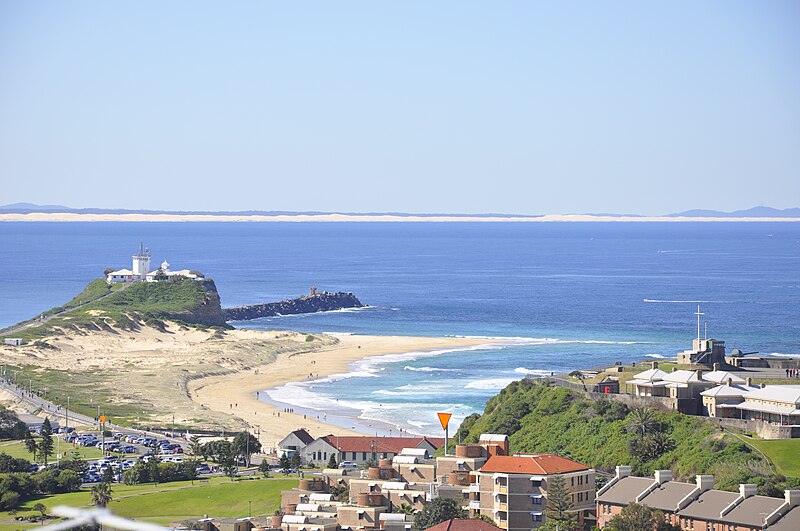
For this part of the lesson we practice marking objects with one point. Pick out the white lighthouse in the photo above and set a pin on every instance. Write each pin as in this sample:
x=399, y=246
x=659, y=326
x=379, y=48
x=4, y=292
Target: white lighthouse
x=141, y=263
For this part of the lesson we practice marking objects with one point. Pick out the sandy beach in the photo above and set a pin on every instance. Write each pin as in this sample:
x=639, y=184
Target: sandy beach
x=239, y=389
x=334, y=218
x=199, y=378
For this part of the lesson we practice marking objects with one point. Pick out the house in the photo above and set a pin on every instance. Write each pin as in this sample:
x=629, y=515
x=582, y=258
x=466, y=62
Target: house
x=696, y=506
x=513, y=490
x=721, y=400
x=294, y=442
x=682, y=388
x=140, y=270
x=363, y=449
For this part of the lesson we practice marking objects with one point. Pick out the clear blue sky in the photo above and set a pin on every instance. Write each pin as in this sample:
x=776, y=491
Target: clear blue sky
x=516, y=107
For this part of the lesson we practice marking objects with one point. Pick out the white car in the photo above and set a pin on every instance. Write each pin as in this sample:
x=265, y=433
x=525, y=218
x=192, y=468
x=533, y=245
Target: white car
x=348, y=465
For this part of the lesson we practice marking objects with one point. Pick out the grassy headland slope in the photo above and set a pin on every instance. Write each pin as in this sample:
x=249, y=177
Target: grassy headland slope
x=540, y=418
x=105, y=307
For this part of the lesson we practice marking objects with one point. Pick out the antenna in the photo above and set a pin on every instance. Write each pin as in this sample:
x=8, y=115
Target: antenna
x=698, y=313
x=705, y=323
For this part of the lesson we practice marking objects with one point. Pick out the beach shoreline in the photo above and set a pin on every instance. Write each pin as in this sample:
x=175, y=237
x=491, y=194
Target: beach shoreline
x=241, y=393
x=386, y=218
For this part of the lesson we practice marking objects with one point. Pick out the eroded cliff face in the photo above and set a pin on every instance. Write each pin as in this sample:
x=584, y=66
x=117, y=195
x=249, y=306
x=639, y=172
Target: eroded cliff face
x=209, y=312
x=319, y=302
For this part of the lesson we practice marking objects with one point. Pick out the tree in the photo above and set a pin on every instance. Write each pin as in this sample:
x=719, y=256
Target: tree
x=46, y=444
x=635, y=517
x=30, y=444
x=263, y=467
x=244, y=445
x=101, y=494
x=332, y=461
x=641, y=421
x=437, y=511
x=284, y=463
x=41, y=509
x=295, y=460
x=579, y=375
x=405, y=508
x=10, y=425
x=559, y=504
x=195, y=445
x=160, y=276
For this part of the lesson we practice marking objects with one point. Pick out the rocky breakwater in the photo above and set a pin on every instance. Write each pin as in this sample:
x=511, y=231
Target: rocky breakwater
x=316, y=302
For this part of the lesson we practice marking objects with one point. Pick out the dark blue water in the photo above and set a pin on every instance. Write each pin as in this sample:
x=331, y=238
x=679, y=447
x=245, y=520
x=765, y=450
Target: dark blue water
x=579, y=293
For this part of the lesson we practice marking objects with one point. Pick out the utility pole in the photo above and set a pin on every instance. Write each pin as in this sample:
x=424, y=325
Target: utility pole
x=66, y=415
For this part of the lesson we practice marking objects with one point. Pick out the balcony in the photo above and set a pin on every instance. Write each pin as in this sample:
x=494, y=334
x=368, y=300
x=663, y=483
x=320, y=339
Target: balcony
x=502, y=489
x=502, y=506
x=474, y=504
x=502, y=524
x=474, y=487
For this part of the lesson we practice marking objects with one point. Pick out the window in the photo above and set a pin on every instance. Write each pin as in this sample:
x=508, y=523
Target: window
x=364, y=456
x=362, y=515
x=536, y=482
x=580, y=497
x=536, y=517
x=536, y=500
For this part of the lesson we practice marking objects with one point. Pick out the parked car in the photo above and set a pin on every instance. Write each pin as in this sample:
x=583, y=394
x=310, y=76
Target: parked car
x=203, y=469
x=348, y=465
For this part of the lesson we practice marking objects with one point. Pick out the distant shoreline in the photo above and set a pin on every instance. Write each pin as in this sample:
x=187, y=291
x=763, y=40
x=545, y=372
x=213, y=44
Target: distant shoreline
x=62, y=217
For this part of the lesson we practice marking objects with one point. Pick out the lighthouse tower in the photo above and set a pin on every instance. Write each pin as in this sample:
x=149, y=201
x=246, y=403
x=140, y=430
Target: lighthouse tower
x=141, y=263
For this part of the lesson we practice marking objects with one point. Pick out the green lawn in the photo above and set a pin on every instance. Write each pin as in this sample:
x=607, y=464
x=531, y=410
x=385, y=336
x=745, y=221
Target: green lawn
x=168, y=502
x=17, y=449
x=784, y=454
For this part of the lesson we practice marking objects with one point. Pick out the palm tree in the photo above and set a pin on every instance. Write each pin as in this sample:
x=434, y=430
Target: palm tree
x=404, y=509
x=642, y=420
x=101, y=494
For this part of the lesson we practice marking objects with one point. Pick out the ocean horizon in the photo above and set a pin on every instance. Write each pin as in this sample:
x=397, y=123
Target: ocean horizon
x=569, y=295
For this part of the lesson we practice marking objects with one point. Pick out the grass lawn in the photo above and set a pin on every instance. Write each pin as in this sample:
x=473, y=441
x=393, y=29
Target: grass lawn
x=168, y=502
x=17, y=449
x=784, y=454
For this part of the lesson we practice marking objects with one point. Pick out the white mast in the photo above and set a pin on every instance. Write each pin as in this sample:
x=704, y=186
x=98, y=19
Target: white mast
x=698, y=313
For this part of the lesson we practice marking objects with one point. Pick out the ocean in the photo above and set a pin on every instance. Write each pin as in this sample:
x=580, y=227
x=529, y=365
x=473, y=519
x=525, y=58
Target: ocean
x=572, y=295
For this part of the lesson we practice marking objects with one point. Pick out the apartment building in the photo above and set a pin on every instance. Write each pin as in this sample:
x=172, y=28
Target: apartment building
x=512, y=490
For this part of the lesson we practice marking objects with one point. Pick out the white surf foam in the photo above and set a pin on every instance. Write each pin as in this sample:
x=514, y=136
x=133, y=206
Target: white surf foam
x=490, y=384
x=532, y=372
x=656, y=356
x=427, y=369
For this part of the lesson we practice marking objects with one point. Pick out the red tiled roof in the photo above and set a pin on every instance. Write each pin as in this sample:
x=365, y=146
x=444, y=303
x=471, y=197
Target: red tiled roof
x=543, y=464
x=464, y=524
x=356, y=443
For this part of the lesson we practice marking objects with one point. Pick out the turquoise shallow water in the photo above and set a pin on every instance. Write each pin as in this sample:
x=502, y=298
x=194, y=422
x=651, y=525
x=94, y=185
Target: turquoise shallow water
x=574, y=294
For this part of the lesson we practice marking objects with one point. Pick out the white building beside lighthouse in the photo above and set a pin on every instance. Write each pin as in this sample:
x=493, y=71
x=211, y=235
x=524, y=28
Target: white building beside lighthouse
x=140, y=270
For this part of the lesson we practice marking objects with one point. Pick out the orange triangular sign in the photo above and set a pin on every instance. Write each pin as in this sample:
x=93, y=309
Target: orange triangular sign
x=444, y=418
x=102, y=419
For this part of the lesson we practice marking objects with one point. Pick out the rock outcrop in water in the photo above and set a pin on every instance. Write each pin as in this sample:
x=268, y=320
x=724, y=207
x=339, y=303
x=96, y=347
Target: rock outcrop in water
x=315, y=302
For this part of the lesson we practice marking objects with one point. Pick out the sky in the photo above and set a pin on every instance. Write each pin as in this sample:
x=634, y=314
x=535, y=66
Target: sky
x=420, y=107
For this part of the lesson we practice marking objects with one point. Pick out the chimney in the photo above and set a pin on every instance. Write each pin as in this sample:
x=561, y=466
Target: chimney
x=699, y=374
x=716, y=366
x=662, y=476
x=705, y=483
x=624, y=471
x=655, y=365
x=747, y=489
x=792, y=497
x=749, y=381
x=730, y=382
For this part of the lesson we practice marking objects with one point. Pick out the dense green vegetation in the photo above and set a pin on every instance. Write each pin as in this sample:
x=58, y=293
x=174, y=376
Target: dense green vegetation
x=122, y=306
x=540, y=418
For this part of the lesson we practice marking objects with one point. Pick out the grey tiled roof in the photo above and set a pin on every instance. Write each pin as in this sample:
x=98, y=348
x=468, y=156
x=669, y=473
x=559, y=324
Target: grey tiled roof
x=788, y=522
x=709, y=504
x=753, y=510
x=667, y=496
x=625, y=490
